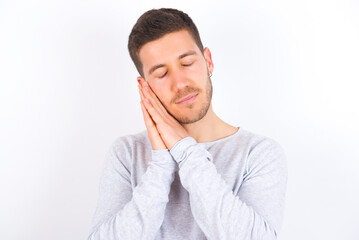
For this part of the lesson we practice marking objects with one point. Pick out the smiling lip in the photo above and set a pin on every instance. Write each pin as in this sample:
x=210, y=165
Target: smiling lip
x=188, y=99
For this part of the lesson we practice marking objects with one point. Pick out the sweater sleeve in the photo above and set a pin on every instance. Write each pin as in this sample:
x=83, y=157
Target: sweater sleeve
x=126, y=213
x=256, y=212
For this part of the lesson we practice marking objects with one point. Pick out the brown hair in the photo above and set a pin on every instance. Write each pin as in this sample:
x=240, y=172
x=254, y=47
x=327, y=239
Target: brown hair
x=154, y=24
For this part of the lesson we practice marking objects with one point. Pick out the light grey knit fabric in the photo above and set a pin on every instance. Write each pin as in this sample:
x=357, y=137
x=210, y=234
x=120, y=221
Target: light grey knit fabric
x=232, y=188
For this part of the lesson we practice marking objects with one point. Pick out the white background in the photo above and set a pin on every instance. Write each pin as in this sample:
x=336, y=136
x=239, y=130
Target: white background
x=284, y=69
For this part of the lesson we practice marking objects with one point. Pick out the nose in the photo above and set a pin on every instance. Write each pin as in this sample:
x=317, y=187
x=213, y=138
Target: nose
x=179, y=80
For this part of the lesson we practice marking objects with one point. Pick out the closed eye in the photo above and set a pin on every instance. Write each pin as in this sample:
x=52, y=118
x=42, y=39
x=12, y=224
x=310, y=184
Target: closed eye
x=187, y=65
x=163, y=75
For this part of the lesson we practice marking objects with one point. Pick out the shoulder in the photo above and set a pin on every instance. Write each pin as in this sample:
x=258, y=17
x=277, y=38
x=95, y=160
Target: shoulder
x=124, y=148
x=258, y=143
x=262, y=150
x=129, y=142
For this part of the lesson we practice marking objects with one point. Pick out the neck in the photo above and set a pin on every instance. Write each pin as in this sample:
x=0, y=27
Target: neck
x=209, y=128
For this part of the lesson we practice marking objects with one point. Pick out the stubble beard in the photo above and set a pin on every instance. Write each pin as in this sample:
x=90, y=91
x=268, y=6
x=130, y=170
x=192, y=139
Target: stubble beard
x=196, y=116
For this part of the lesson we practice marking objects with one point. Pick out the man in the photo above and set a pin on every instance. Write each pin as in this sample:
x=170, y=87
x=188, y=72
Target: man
x=190, y=175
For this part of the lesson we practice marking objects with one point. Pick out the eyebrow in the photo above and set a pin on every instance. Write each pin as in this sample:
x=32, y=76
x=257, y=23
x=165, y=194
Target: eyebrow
x=154, y=68
x=191, y=52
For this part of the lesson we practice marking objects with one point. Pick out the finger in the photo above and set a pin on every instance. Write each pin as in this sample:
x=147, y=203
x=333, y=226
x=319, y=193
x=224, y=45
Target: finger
x=142, y=89
x=148, y=93
x=147, y=118
x=154, y=111
x=141, y=94
x=143, y=98
x=153, y=134
x=156, y=117
x=152, y=128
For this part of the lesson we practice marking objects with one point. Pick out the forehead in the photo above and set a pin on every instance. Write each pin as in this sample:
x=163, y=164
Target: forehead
x=167, y=48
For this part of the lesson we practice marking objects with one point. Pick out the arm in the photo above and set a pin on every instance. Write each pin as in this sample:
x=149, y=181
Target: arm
x=256, y=212
x=125, y=214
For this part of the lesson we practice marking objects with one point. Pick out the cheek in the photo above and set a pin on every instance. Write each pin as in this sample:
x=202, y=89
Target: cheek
x=202, y=77
x=200, y=73
x=160, y=92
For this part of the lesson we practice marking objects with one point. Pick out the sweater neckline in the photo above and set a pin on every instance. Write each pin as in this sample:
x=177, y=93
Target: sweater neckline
x=222, y=139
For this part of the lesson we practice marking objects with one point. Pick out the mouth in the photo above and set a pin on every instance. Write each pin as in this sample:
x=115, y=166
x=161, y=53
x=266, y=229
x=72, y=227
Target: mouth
x=189, y=98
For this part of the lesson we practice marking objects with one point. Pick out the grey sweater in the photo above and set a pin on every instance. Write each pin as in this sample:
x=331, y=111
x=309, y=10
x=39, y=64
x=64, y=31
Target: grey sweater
x=232, y=188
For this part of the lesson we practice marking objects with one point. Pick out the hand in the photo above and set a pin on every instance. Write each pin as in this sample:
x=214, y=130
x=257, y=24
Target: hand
x=168, y=128
x=153, y=135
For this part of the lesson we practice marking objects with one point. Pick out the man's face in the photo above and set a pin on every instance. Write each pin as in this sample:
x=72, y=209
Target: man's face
x=178, y=74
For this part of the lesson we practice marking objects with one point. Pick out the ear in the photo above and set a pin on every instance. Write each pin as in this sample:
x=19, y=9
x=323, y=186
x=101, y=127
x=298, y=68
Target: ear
x=140, y=80
x=208, y=58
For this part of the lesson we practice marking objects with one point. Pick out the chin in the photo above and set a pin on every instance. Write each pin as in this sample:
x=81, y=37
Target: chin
x=193, y=115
